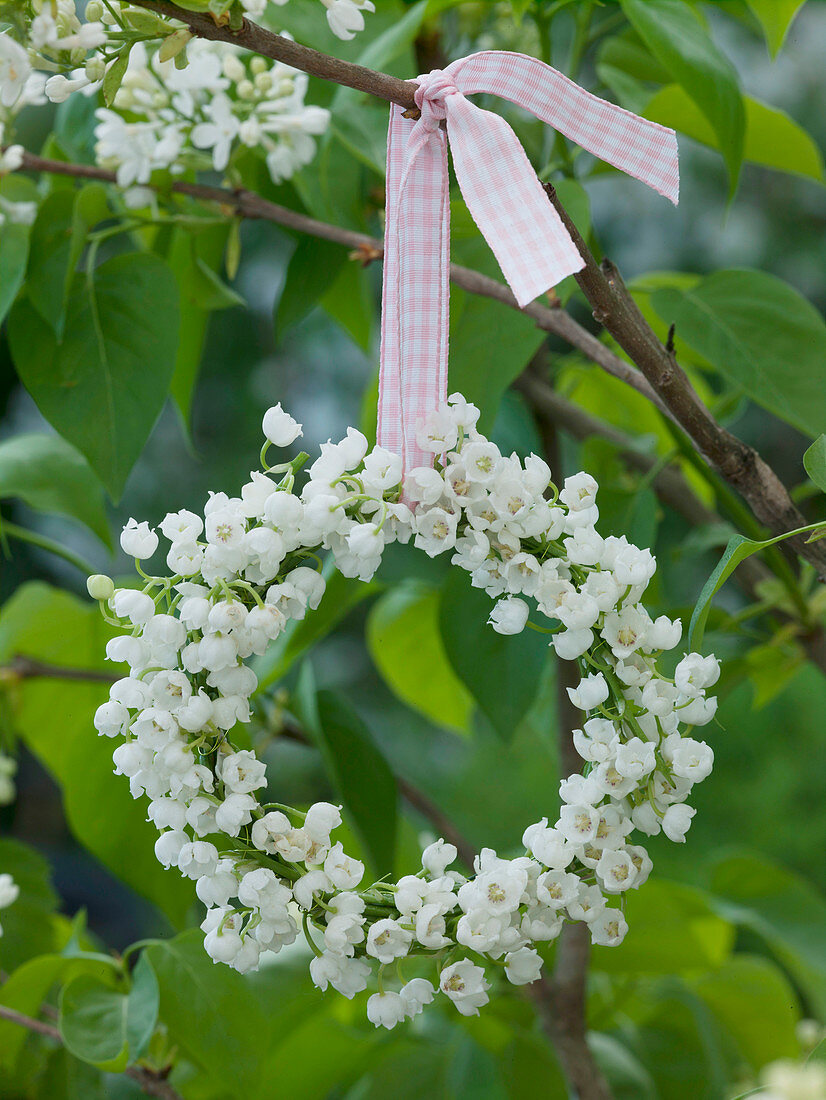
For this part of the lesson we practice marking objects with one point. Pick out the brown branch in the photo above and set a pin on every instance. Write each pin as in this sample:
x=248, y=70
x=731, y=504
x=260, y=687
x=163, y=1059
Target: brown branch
x=668, y=483
x=150, y=1081
x=265, y=42
x=250, y=205
x=738, y=463
x=28, y=668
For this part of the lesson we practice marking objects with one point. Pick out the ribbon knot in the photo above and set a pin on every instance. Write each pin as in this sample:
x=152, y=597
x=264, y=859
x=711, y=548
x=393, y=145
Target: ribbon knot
x=430, y=95
x=505, y=199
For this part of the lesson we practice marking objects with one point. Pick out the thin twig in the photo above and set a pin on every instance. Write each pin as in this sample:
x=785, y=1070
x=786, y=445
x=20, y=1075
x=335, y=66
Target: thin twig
x=265, y=42
x=250, y=205
x=668, y=483
x=738, y=463
x=150, y=1081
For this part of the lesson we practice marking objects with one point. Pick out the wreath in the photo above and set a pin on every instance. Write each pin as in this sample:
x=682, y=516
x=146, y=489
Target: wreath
x=267, y=871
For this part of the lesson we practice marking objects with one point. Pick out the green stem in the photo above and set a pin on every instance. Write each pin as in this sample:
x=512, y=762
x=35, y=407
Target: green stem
x=44, y=543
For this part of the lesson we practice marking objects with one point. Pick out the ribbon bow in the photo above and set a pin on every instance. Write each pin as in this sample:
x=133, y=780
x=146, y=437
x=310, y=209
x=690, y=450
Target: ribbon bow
x=505, y=199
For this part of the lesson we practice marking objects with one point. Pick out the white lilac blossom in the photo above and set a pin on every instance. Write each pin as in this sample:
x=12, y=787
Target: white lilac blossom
x=182, y=104
x=9, y=893
x=266, y=871
x=165, y=117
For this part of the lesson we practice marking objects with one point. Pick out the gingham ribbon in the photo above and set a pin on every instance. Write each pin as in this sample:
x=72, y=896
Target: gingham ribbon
x=505, y=199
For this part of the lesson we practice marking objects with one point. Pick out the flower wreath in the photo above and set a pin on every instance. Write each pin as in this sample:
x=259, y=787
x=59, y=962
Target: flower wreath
x=241, y=573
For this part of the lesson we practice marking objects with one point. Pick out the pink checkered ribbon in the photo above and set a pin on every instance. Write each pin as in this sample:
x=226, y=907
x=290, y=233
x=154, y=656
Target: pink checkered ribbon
x=505, y=199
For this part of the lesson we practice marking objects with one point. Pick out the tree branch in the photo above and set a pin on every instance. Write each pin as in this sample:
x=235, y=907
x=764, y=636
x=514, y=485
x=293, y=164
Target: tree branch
x=251, y=205
x=150, y=1081
x=738, y=463
x=265, y=42
x=668, y=483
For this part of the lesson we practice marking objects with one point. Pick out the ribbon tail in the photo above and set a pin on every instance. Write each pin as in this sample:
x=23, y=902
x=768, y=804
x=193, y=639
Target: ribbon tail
x=415, y=295
x=640, y=148
x=506, y=200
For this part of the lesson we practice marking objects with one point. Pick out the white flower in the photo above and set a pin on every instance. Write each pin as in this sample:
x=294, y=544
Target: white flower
x=509, y=615
x=437, y=856
x=677, y=821
x=625, y=631
x=616, y=871
x=417, y=993
x=242, y=772
x=387, y=940
x=182, y=526
x=219, y=132
x=234, y=812
x=523, y=966
x=138, y=540
x=692, y=760
x=321, y=819
x=435, y=530
x=578, y=823
x=579, y=492
x=591, y=691
x=465, y=984
x=279, y=427
x=347, y=976
x=345, y=18
x=198, y=858
x=694, y=673
x=9, y=890
x=636, y=758
x=609, y=928
x=344, y=872
x=386, y=1009
x=557, y=889
x=570, y=644
x=14, y=70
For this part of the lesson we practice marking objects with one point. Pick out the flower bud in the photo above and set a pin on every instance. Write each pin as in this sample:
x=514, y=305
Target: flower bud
x=100, y=587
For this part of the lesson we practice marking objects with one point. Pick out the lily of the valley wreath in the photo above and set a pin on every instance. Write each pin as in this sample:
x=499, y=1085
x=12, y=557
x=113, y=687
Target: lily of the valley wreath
x=268, y=872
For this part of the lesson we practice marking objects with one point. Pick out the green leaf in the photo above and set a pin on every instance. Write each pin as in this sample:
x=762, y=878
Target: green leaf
x=776, y=17
x=341, y=595
x=737, y=549
x=783, y=909
x=406, y=645
x=349, y=301
x=195, y=259
x=678, y=40
x=313, y=269
x=754, y=1002
x=480, y=330
x=772, y=139
x=760, y=334
x=28, y=988
x=105, y=1027
x=49, y=248
x=14, y=255
x=50, y=476
x=361, y=776
x=104, y=385
x=54, y=719
x=672, y=929
x=502, y=674
x=814, y=462
x=114, y=75
x=210, y=1010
